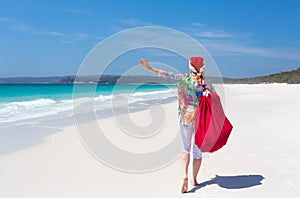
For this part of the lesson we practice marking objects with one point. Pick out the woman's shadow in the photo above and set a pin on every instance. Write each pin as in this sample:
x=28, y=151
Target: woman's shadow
x=232, y=182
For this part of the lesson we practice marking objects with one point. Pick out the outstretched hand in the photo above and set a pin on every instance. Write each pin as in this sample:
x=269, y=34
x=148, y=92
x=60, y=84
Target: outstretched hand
x=144, y=63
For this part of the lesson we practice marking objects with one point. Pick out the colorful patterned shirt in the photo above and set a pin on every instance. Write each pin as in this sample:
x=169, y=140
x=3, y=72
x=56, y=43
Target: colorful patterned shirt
x=190, y=87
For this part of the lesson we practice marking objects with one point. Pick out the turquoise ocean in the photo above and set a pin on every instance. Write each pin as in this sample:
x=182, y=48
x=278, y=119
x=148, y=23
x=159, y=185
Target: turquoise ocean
x=25, y=103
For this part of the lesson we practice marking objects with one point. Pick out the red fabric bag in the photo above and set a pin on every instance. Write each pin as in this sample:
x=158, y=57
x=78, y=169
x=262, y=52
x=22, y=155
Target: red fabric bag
x=212, y=128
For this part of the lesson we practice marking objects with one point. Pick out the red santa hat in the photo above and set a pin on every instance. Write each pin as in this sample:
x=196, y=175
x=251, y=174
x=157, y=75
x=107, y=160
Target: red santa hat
x=196, y=64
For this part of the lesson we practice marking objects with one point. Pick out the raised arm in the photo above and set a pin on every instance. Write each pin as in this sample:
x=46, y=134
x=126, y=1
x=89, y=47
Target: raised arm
x=173, y=78
x=145, y=64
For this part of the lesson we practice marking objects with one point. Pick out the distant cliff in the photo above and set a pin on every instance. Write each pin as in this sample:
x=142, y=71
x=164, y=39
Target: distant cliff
x=53, y=79
x=112, y=79
x=291, y=77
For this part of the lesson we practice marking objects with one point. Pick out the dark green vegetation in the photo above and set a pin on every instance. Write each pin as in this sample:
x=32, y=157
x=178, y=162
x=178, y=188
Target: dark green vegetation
x=290, y=77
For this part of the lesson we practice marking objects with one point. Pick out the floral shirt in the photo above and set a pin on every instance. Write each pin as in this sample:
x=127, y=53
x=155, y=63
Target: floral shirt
x=190, y=87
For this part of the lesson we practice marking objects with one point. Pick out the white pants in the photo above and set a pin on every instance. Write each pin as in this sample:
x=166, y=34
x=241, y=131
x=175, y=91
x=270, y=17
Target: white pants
x=188, y=138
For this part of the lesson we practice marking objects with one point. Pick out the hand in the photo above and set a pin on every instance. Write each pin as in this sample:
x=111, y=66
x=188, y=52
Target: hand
x=144, y=63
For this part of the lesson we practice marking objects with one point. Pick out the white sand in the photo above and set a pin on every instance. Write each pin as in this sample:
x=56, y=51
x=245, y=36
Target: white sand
x=40, y=161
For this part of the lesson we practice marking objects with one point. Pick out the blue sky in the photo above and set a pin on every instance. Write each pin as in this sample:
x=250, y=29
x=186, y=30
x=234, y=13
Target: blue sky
x=245, y=38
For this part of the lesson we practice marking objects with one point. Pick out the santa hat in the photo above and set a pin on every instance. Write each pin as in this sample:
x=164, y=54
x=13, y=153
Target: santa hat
x=196, y=64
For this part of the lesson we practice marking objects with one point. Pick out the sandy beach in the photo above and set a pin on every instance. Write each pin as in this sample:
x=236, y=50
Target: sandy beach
x=259, y=160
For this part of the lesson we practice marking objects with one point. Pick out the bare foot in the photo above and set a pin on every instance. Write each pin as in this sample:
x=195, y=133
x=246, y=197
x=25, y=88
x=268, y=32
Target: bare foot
x=194, y=182
x=184, y=187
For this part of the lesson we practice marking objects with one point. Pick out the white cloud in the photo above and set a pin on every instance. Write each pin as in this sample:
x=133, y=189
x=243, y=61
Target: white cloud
x=6, y=20
x=224, y=43
x=119, y=25
x=200, y=30
x=20, y=27
x=239, y=49
x=14, y=24
x=155, y=37
x=80, y=36
x=55, y=33
x=209, y=34
x=122, y=24
x=75, y=11
x=249, y=34
x=66, y=41
x=133, y=22
x=196, y=24
x=67, y=38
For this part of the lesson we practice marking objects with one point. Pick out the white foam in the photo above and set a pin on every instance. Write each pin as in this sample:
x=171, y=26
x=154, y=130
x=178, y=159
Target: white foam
x=32, y=103
x=153, y=95
x=16, y=111
x=103, y=98
x=168, y=91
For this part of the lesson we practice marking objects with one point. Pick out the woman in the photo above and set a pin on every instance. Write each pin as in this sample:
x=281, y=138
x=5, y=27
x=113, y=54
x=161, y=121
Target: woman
x=190, y=89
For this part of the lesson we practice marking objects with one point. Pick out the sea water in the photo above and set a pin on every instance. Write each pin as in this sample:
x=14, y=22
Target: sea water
x=22, y=103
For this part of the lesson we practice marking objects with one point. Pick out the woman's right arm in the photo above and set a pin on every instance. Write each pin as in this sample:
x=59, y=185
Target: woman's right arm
x=174, y=78
x=145, y=64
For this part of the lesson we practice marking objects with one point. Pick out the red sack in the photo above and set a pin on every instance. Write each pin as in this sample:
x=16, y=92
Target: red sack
x=212, y=128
